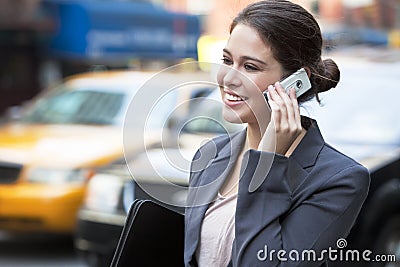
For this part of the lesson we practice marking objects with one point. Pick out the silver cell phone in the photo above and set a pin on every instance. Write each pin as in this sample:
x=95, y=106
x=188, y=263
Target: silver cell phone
x=298, y=80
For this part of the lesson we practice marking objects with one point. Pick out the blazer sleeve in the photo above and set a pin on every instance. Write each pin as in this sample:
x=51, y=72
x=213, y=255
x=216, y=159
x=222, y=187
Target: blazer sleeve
x=284, y=218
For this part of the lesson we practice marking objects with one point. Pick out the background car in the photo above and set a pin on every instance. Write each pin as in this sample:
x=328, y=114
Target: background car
x=62, y=137
x=359, y=118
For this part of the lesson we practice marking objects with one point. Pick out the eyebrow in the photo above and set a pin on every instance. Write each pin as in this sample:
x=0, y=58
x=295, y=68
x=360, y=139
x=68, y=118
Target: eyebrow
x=246, y=57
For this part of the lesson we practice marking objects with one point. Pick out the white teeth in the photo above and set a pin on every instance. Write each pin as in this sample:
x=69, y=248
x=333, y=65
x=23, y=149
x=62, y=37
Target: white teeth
x=232, y=97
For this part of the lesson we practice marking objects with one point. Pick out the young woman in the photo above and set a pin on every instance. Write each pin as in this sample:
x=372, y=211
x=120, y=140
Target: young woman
x=263, y=196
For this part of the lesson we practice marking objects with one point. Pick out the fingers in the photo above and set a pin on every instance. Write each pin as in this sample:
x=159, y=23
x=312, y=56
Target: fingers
x=295, y=107
x=288, y=105
x=284, y=108
x=274, y=103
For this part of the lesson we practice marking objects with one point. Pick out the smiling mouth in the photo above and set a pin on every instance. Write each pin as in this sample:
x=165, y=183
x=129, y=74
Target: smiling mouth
x=234, y=97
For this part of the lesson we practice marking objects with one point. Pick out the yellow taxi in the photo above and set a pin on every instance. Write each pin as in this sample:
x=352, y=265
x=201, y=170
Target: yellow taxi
x=62, y=138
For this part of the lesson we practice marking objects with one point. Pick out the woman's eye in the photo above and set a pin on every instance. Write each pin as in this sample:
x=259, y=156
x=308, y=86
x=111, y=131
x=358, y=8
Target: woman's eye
x=250, y=67
x=226, y=61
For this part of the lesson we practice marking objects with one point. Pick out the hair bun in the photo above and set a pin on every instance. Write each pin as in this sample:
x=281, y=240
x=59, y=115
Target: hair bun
x=331, y=76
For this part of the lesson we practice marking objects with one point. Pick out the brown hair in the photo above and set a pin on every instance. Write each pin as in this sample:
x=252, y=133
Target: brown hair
x=295, y=39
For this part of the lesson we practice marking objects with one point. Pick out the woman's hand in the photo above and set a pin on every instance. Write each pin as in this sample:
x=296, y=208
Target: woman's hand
x=285, y=124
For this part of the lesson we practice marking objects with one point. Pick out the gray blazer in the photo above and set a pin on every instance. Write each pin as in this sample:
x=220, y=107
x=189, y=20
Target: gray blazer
x=297, y=204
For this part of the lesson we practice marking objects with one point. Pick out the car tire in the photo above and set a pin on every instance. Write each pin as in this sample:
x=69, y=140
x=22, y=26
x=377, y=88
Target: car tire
x=388, y=243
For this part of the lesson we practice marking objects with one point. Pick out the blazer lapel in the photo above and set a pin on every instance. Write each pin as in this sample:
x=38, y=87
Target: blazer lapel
x=213, y=176
x=307, y=151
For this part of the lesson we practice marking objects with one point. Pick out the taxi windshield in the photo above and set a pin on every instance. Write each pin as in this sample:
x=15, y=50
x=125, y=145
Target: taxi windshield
x=83, y=106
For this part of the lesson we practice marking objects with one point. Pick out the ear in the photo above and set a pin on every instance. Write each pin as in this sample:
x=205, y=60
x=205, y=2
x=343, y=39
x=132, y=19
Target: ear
x=308, y=71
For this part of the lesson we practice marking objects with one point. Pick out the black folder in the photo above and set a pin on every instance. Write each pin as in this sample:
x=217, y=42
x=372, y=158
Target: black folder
x=153, y=235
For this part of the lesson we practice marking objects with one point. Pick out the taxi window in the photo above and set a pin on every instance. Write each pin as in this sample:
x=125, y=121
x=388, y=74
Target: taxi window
x=76, y=107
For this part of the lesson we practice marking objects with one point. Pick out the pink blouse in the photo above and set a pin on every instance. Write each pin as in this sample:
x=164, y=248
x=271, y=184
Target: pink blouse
x=217, y=233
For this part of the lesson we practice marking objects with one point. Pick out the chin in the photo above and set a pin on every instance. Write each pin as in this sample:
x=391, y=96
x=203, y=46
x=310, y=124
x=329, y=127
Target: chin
x=231, y=116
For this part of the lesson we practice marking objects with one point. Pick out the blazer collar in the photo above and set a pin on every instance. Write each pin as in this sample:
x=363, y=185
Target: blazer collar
x=233, y=146
x=218, y=169
x=306, y=152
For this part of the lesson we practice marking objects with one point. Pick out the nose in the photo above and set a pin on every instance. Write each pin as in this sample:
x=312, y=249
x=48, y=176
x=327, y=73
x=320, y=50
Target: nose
x=231, y=77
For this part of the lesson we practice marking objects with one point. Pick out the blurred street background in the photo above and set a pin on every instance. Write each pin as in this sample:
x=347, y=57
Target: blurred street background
x=44, y=41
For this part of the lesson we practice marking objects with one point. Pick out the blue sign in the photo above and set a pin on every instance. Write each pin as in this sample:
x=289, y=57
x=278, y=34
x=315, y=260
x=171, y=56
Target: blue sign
x=91, y=29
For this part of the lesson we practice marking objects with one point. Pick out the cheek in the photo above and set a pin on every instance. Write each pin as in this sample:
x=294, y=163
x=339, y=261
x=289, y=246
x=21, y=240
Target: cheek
x=260, y=84
x=253, y=86
x=257, y=106
x=263, y=83
x=220, y=75
x=220, y=85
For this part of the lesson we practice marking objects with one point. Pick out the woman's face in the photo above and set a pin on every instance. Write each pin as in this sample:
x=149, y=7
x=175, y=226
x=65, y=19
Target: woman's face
x=248, y=68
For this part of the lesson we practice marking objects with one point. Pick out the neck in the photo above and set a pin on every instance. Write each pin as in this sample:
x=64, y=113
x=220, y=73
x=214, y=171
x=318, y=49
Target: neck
x=254, y=135
x=296, y=142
